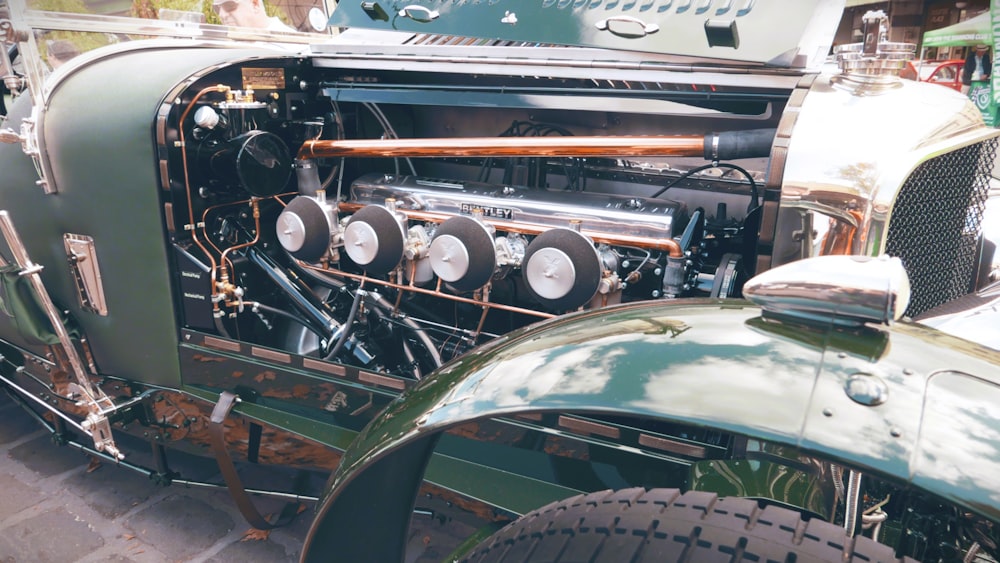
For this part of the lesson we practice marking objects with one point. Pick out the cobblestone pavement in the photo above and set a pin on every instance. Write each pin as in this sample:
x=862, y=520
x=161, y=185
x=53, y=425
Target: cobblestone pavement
x=56, y=508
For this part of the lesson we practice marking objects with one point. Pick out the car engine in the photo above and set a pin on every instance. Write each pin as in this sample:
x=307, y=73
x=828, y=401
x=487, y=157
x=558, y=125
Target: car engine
x=316, y=227
x=309, y=229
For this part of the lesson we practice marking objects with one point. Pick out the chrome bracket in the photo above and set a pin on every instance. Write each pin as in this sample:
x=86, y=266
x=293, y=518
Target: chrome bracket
x=28, y=143
x=96, y=422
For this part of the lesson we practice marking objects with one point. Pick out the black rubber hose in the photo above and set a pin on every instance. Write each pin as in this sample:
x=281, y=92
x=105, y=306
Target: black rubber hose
x=732, y=145
x=257, y=306
x=754, y=195
x=317, y=314
x=376, y=300
x=345, y=333
x=220, y=327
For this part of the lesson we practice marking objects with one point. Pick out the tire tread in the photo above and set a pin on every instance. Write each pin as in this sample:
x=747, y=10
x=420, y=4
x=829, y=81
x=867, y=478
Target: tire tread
x=637, y=525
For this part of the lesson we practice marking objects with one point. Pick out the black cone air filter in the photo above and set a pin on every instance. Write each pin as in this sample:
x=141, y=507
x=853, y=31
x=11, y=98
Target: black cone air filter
x=303, y=229
x=462, y=253
x=562, y=269
x=373, y=238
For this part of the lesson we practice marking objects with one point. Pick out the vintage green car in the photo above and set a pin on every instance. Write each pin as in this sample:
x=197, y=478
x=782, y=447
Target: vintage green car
x=486, y=261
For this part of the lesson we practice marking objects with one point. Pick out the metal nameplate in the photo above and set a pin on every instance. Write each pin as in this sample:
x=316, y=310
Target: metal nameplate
x=263, y=78
x=488, y=211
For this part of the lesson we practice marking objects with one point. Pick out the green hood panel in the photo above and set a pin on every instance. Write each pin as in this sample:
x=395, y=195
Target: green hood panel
x=97, y=132
x=772, y=32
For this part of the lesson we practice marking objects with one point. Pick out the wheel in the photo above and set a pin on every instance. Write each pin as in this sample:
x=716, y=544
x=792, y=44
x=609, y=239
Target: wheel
x=663, y=525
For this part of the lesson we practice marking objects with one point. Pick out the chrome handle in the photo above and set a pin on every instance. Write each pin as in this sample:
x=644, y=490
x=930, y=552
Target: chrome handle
x=419, y=13
x=627, y=26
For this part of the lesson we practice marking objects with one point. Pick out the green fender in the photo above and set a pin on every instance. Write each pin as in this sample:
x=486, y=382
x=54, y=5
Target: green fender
x=906, y=402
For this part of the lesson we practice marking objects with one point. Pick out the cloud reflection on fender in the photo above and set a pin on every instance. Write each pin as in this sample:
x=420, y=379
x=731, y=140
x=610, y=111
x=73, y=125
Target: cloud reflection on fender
x=657, y=362
x=959, y=442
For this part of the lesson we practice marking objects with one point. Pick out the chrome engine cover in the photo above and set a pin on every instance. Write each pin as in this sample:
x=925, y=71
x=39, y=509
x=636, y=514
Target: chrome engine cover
x=608, y=214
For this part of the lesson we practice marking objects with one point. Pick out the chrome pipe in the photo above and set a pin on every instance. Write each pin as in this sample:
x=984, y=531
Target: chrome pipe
x=851, y=502
x=29, y=395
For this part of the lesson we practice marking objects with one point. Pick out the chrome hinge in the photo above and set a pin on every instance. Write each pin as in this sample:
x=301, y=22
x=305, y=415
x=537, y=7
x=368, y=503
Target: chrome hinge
x=82, y=257
x=29, y=145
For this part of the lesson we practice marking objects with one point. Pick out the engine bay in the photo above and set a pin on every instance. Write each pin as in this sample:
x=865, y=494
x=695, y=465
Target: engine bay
x=395, y=219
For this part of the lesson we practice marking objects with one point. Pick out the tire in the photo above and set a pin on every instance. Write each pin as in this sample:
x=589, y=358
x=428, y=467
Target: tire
x=663, y=525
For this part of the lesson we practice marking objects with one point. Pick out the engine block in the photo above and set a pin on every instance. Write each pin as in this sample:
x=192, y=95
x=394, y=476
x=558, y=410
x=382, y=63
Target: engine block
x=465, y=234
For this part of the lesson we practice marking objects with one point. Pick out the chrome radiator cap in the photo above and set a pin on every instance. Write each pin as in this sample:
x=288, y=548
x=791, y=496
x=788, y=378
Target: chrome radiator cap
x=875, y=58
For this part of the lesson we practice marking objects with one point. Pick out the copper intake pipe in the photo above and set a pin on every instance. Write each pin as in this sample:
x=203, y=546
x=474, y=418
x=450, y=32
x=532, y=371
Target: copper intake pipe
x=506, y=147
x=713, y=146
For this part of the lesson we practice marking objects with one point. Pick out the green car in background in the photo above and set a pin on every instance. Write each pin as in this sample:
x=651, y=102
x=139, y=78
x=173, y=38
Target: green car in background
x=639, y=279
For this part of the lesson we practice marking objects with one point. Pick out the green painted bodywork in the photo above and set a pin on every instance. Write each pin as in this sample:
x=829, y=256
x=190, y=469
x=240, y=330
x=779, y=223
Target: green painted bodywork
x=711, y=364
x=97, y=135
x=722, y=29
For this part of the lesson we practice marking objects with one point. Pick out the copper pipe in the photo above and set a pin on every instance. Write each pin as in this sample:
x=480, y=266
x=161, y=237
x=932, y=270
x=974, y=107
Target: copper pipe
x=255, y=205
x=253, y=202
x=415, y=289
x=663, y=244
x=507, y=146
x=187, y=180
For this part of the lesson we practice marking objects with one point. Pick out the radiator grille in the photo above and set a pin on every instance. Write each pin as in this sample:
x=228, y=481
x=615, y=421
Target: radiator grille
x=935, y=224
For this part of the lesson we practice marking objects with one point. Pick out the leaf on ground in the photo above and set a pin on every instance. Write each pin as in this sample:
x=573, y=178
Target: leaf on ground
x=253, y=534
x=94, y=464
